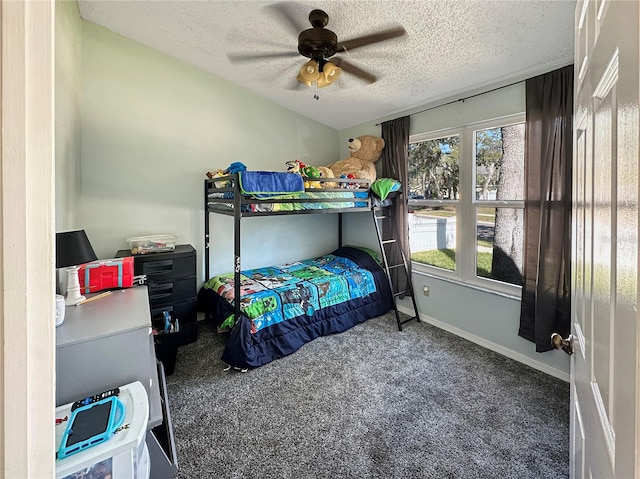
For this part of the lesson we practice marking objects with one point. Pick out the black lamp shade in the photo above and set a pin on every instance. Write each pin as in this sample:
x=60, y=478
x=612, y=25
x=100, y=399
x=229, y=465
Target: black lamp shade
x=73, y=248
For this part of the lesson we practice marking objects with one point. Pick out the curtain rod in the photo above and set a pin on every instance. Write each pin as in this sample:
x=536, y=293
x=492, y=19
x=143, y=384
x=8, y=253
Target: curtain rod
x=459, y=99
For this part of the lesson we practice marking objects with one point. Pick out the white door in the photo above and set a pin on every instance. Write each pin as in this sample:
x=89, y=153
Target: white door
x=604, y=367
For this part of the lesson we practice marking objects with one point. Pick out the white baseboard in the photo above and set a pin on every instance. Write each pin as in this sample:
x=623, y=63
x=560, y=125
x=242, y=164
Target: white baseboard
x=540, y=366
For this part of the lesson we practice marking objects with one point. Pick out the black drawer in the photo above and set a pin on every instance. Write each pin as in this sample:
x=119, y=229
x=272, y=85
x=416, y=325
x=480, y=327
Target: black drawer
x=189, y=333
x=168, y=264
x=161, y=293
x=185, y=312
x=162, y=269
x=171, y=282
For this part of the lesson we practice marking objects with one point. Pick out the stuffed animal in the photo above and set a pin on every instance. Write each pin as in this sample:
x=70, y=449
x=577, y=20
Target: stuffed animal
x=364, y=152
x=311, y=172
x=326, y=173
x=217, y=174
x=294, y=166
x=350, y=176
x=235, y=167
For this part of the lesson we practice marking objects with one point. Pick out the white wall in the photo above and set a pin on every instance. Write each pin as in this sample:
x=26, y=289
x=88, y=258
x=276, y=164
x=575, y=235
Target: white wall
x=152, y=126
x=68, y=34
x=483, y=317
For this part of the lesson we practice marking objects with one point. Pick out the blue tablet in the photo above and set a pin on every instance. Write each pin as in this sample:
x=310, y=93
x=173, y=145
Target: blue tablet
x=91, y=425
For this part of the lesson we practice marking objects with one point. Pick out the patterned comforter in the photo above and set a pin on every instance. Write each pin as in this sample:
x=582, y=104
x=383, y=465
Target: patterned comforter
x=285, y=306
x=278, y=293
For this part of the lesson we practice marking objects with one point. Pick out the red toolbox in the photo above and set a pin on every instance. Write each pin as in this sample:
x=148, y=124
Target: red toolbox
x=106, y=274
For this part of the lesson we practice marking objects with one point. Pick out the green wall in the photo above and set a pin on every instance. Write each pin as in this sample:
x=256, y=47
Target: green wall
x=68, y=32
x=151, y=126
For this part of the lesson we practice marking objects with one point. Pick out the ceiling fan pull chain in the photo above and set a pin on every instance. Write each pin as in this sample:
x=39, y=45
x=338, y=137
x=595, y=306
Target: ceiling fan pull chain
x=316, y=93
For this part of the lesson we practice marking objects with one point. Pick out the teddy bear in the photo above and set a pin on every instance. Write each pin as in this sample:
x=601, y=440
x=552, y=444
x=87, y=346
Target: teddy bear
x=326, y=173
x=364, y=151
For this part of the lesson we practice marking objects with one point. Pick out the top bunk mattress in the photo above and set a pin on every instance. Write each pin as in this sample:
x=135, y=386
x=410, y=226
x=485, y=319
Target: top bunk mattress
x=308, y=200
x=264, y=192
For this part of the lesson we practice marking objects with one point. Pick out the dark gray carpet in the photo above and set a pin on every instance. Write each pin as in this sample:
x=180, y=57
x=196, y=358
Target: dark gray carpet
x=371, y=402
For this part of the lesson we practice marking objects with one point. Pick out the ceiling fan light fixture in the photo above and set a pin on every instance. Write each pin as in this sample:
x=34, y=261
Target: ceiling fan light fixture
x=309, y=72
x=330, y=73
x=303, y=81
x=322, y=82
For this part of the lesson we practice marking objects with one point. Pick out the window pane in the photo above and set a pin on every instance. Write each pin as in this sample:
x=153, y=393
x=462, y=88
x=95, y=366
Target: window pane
x=432, y=236
x=499, y=244
x=500, y=163
x=433, y=168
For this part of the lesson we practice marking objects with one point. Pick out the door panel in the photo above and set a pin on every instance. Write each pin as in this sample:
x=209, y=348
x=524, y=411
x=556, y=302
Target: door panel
x=604, y=368
x=578, y=439
x=603, y=267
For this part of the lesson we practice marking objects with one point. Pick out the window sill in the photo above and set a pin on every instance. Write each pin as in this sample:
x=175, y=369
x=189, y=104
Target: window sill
x=477, y=287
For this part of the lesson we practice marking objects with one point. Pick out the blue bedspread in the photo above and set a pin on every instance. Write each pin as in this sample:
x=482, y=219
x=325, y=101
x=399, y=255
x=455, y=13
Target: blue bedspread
x=269, y=184
x=285, y=306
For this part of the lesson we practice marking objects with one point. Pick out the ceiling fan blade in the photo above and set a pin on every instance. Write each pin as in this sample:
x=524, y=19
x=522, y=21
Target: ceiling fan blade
x=288, y=12
x=251, y=57
x=354, y=70
x=358, y=42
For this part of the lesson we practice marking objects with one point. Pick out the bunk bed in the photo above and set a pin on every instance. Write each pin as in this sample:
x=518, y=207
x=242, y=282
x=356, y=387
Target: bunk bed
x=282, y=307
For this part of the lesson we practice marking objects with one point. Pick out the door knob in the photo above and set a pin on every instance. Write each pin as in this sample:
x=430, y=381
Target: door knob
x=565, y=344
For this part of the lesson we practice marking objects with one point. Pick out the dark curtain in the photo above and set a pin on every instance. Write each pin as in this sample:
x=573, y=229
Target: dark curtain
x=395, y=162
x=545, y=306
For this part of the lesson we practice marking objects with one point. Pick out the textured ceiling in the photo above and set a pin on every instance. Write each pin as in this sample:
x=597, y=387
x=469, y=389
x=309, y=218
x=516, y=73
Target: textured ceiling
x=452, y=47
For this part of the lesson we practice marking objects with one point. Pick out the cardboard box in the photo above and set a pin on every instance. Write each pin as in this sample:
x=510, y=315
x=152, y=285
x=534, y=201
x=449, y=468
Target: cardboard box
x=106, y=274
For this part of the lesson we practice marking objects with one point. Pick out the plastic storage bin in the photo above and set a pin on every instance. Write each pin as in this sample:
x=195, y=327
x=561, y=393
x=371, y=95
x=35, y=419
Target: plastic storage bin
x=124, y=455
x=152, y=243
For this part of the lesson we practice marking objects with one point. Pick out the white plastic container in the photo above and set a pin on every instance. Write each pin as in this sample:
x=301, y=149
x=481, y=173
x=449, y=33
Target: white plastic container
x=152, y=243
x=124, y=455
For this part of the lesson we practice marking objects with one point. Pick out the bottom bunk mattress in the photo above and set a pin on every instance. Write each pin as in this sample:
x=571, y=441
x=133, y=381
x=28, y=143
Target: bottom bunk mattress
x=285, y=306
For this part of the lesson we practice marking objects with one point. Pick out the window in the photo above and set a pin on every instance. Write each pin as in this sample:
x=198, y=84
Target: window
x=466, y=203
x=434, y=177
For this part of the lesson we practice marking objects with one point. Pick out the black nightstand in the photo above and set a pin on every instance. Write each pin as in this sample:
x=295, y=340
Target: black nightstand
x=171, y=280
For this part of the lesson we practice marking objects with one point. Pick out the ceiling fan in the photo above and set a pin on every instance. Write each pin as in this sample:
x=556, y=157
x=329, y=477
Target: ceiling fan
x=320, y=44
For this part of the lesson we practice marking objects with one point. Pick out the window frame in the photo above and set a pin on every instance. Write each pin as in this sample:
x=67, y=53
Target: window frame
x=466, y=207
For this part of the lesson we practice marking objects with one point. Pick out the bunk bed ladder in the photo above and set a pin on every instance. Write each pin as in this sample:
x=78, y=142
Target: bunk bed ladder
x=381, y=214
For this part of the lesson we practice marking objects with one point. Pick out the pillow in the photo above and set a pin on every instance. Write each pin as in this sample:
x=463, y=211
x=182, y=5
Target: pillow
x=374, y=254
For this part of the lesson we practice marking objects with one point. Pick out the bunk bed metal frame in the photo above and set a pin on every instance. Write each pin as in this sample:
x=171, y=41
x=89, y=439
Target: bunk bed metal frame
x=390, y=247
x=235, y=204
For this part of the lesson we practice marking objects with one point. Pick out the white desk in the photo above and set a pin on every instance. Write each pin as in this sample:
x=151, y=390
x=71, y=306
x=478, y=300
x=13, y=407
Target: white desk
x=104, y=344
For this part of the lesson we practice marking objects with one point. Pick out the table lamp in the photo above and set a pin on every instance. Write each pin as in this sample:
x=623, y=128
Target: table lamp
x=73, y=249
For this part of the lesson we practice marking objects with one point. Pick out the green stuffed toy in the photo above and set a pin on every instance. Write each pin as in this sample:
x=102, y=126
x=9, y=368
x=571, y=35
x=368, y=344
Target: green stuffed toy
x=311, y=172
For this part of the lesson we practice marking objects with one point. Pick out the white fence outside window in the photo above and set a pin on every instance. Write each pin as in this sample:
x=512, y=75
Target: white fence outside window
x=431, y=232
